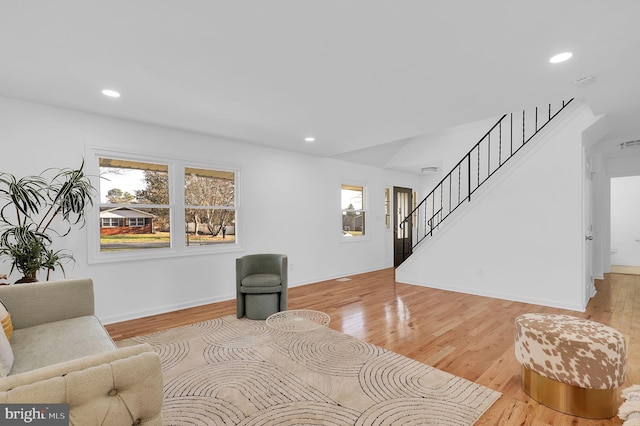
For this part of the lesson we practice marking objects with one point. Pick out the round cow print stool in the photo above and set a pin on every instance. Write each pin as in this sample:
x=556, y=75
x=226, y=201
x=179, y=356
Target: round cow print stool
x=570, y=364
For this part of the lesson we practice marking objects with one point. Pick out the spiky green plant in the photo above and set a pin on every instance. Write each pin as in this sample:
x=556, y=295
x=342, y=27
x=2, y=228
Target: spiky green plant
x=34, y=210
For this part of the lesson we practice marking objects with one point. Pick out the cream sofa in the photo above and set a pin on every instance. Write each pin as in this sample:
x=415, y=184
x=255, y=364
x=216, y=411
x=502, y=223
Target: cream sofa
x=62, y=354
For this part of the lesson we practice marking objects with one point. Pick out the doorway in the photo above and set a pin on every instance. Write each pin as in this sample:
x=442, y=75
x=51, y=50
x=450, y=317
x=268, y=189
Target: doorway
x=402, y=234
x=625, y=228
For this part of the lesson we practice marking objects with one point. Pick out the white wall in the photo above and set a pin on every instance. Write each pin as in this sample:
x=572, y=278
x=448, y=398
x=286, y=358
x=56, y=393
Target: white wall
x=625, y=221
x=290, y=203
x=442, y=149
x=522, y=236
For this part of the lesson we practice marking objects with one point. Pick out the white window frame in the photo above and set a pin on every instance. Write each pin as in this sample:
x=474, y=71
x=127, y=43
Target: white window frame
x=176, y=206
x=212, y=207
x=134, y=222
x=365, y=210
x=110, y=220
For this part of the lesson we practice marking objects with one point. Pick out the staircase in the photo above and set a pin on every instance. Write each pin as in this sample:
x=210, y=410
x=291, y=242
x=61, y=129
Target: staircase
x=502, y=142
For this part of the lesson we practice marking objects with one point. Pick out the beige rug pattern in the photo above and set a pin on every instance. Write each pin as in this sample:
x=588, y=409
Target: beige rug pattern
x=230, y=371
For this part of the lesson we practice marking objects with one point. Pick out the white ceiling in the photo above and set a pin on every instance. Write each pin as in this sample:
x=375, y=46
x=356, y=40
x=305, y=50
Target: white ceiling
x=355, y=74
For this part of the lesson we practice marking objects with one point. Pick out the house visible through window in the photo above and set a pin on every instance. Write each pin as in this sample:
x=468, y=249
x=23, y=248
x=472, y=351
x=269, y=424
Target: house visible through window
x=135, y=213
x=164, y=207
x=353, y=210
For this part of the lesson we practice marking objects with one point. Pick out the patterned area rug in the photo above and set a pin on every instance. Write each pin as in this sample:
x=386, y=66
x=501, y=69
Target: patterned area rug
x=231, y=371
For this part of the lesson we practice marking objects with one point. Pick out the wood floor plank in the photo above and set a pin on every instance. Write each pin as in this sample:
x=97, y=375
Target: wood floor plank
x=466, y=335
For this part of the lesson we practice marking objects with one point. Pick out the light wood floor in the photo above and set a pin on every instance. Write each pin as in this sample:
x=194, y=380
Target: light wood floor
x=469, y=336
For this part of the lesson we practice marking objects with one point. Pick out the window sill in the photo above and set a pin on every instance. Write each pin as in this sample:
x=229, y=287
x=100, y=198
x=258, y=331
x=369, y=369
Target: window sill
x=354, y=239
x=160, y=253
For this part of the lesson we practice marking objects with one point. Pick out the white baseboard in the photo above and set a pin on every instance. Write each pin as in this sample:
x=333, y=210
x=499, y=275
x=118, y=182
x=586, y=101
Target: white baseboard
x=170, y=308
x=164, y=309
x=501, y=296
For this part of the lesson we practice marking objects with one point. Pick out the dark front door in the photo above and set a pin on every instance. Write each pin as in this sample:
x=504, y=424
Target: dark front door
x=402, y=231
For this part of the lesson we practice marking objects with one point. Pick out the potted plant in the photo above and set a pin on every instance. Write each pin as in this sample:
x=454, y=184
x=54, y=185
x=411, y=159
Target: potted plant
x=35, y=209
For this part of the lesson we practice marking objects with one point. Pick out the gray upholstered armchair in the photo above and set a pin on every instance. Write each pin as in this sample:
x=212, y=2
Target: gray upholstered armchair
x=261, y=285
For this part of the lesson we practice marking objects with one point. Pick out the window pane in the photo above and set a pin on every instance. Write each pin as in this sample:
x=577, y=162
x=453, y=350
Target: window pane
x=402, y=212
x=133, y=182
x=209, y=187
x=127, y=228
x=209, y=212
x=146, y=210
x=387, y=208
x=210, y=226
x=352, y=197
x=139, y=221
x=353, y=223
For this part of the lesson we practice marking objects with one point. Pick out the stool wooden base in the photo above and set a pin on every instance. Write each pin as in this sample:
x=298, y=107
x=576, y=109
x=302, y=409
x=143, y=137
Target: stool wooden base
x=580, y=402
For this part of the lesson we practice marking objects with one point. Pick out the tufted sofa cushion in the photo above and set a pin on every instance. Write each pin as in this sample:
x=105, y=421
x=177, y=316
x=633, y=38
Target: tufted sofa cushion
x=571, y=350
x=120, y=387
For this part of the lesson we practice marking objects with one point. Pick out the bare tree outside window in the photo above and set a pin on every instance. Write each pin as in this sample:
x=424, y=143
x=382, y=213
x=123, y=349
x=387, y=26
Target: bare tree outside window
x=209, y=206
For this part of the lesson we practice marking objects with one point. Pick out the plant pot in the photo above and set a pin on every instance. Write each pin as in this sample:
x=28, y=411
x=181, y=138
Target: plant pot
x=24, y=280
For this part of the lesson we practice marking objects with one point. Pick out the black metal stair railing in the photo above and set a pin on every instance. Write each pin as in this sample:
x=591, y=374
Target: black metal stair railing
x=508, y=136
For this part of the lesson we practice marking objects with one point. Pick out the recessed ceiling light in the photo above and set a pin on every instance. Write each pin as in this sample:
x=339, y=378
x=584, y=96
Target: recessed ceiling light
x=560, y=57
x=309, y=139
x=111, y=93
